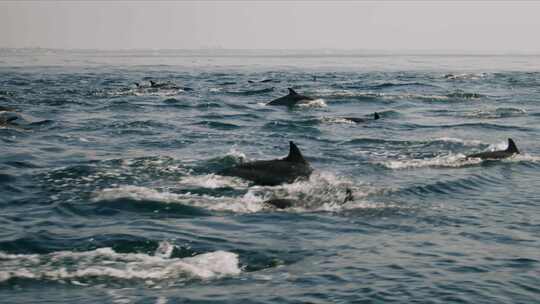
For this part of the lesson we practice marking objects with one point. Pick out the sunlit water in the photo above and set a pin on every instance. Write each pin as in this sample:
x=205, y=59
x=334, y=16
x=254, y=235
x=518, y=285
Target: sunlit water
x=109, y=193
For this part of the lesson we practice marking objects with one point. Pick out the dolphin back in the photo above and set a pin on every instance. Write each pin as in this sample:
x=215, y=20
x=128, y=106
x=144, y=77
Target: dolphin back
x=510, y=151
x=273, y=172
x=289, y=100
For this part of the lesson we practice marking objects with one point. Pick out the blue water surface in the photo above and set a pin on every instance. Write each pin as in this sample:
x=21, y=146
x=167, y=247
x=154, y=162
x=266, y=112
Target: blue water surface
x=109, y=191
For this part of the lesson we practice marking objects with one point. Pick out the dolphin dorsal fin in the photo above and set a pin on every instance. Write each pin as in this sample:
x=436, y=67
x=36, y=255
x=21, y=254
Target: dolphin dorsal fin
x=376, y=116
x=512, y=148
x=292, y=92
x=294, y=154
x=348, y=196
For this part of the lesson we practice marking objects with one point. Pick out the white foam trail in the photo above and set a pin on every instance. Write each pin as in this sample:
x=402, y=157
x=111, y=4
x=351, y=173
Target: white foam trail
x=322, y=188
x=337, y=120
x=465, y=142
x=161, y=92
x=469, y=76
x=246, y=204
x=450, y=161
x=316, y=103
x=213, y=181
x=323, y=191
x=135, y=193
x=105, y=263
x=349, y=93
x=497, y=113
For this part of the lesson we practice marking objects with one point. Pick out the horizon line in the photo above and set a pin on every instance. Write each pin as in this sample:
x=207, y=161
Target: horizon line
x=350, y=50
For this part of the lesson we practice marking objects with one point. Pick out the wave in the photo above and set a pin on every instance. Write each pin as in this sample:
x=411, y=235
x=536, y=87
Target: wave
x=464, y=95
x=466, y=76
x=451, y=187
x=105, y=264
x=497, y=113
x=367, y=117
x=386, y=85
x=440, y=141
x=162, y=92
x=380, y=96
x=138, y=124
x=218, y=125
x=251, y=92
x=489, y=126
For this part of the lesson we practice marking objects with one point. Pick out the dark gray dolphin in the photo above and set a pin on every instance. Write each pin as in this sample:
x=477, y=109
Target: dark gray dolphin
x=162, y=85
x=362, y=120
x=290, y=100
x=273, y=172
x=510, y=151
x=16, y=120
x=154, y=84
x=284, y=203
x=10, y=118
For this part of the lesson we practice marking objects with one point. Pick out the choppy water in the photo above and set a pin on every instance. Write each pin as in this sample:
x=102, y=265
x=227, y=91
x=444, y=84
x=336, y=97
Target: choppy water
x=108, y=191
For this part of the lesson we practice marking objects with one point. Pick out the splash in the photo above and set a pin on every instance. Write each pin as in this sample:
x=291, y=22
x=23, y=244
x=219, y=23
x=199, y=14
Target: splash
x=244, y=204
x=448, y=161
x=337, y=120
x=316, y=103
x=213, y=181
x=105, y=264
x=322, y=192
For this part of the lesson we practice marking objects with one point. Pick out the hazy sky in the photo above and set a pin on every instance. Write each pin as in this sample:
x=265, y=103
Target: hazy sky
x=392, y=25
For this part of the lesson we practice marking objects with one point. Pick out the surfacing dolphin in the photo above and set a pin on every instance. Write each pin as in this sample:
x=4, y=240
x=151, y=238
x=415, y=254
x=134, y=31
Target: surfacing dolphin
x=290, y=100
x=284, y=203
x=161, y=85
x=9, y=118
x=362, y=120
x=273, y=172
x=510, y=151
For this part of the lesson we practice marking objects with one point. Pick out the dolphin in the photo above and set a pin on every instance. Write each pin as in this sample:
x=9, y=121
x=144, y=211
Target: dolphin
x=4, y=121
x=362, y=120
x=284, y=203
x=154, y=84
x=10, y=118
x=510, y=151
x=290, y=100
x=161, y=85
x=273, y=172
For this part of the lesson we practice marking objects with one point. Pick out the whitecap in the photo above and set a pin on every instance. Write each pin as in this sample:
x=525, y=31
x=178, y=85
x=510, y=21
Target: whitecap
x=105, y=263
x=316, y=103
x=212, y=181
x=449, y=161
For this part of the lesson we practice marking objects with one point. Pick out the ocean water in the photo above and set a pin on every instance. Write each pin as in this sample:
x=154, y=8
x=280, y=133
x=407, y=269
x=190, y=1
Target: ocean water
x=109, y=192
